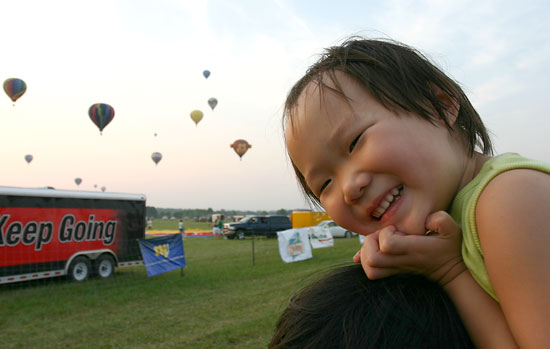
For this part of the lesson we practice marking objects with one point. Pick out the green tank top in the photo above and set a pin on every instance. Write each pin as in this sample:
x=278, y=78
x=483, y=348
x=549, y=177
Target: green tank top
x=463, y=211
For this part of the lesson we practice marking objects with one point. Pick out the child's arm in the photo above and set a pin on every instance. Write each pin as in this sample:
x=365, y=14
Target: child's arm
x=438, y=257
x=513, y=226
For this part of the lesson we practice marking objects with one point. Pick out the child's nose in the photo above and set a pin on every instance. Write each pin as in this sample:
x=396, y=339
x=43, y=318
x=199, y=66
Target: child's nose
x=354, y=186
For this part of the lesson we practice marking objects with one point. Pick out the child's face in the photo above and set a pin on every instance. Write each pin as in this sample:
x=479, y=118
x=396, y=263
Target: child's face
x=369, y=166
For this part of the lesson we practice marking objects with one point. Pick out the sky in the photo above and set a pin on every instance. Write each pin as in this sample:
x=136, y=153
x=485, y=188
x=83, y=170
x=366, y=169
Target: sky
x=146, y=59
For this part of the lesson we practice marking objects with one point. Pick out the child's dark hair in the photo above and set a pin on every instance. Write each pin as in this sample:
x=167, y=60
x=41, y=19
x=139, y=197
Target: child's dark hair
x=345, y=309
x=398, y=76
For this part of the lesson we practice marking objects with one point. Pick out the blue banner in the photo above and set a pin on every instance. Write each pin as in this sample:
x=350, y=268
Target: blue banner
x=162, y=254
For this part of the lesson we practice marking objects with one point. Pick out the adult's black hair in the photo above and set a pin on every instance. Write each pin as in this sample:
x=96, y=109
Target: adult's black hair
x=344, y=309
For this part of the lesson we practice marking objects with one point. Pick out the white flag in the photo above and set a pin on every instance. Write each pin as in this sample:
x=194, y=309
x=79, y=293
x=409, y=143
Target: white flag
x=294, y=245
x=320, y=237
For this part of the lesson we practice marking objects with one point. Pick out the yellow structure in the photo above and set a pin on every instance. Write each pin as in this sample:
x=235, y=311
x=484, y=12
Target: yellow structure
x=302, y=219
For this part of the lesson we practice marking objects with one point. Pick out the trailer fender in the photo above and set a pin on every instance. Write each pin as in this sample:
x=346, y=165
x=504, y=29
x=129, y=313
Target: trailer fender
x=92, y=255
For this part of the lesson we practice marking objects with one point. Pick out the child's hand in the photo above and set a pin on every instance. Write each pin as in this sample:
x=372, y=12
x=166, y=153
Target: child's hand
x=437, y=256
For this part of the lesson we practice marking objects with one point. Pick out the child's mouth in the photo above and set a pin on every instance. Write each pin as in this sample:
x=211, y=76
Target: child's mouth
x=388, y=200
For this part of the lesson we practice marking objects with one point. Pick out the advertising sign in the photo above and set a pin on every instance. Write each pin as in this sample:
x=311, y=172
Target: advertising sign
x=294, y=245
x=320, y=237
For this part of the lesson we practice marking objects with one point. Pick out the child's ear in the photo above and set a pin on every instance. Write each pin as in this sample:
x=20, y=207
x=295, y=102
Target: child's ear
x=451, y=105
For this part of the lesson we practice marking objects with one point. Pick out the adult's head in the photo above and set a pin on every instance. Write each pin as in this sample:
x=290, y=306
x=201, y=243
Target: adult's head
x=345, y=309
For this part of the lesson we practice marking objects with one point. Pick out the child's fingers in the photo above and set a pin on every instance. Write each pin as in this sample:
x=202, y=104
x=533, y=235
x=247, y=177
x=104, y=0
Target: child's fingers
x=357, y=257
x=378, y=265
x=372, y=256
x=392, y=241
x=380, y=273
x=442, y=223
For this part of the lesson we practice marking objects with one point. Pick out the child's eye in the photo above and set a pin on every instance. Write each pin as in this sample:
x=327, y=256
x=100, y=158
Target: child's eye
x=353, y=143
x=323, y=187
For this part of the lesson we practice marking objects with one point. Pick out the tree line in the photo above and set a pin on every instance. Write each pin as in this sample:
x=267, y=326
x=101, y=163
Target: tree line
x=197, y=213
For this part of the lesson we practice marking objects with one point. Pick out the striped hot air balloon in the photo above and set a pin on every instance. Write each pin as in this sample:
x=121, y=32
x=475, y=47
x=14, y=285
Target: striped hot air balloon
x=212, y=102
x=101, y=115
x=14, y=88
x=156, y=156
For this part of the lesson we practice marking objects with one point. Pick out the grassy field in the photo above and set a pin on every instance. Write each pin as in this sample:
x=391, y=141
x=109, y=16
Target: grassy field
x=222, y=301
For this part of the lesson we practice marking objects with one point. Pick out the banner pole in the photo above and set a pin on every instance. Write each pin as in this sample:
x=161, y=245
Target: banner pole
x=253, y=250
x=182, y=237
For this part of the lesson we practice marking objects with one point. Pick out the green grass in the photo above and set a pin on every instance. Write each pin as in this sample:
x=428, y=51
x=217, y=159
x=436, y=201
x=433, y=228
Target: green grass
x=222, y=301
x=160, y=224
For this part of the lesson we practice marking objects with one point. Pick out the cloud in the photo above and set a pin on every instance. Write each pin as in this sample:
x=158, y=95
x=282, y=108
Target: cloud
x=295, y=20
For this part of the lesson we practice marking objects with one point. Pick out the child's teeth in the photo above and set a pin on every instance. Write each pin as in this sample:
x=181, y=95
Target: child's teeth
x=381, y=209
x=378, y=212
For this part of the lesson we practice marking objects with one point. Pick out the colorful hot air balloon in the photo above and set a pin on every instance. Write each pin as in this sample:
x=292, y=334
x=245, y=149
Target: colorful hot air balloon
x=103, y=188
x=206, y=74
x=14, y=88
x=212, y=102
x=196, y=115
x=240, y=146
x=101, y=114
x=28, y=158
x=78, y=181
x=156, y=156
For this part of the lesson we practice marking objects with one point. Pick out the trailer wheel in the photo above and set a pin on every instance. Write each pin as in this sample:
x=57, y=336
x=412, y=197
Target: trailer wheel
x=105, y=266
x=80, y=268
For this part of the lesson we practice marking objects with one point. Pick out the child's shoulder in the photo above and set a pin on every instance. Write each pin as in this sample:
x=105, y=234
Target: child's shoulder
x=509, y=161
x=511, y=176
x=512, y=225
x=517, y=188
x=510, y=168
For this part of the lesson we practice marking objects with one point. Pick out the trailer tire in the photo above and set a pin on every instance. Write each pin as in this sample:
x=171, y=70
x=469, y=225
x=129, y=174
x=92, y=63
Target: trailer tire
x=105, y=266
x=80, y=269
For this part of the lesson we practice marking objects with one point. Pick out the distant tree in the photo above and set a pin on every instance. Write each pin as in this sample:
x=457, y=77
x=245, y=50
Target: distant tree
x=151, y=211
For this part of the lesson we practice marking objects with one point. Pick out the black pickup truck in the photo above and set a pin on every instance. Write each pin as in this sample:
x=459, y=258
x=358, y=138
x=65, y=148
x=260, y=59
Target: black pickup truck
x=256, y=225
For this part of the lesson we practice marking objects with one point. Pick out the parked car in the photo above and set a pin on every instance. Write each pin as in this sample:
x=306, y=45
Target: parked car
x=256, y=225
x=336, y=230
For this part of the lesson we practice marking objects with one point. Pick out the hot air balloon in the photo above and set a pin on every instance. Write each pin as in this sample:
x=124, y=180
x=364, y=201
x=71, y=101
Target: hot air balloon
x=103, y=188
x=212, y=102
x=14, y=88
x=206, y=74
x=155, y=134
x=240, y=146
x=196, y=115
x=101, y=114
x=95, y=185
x=156, y=156
x=78, y=181
x=28, y=158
